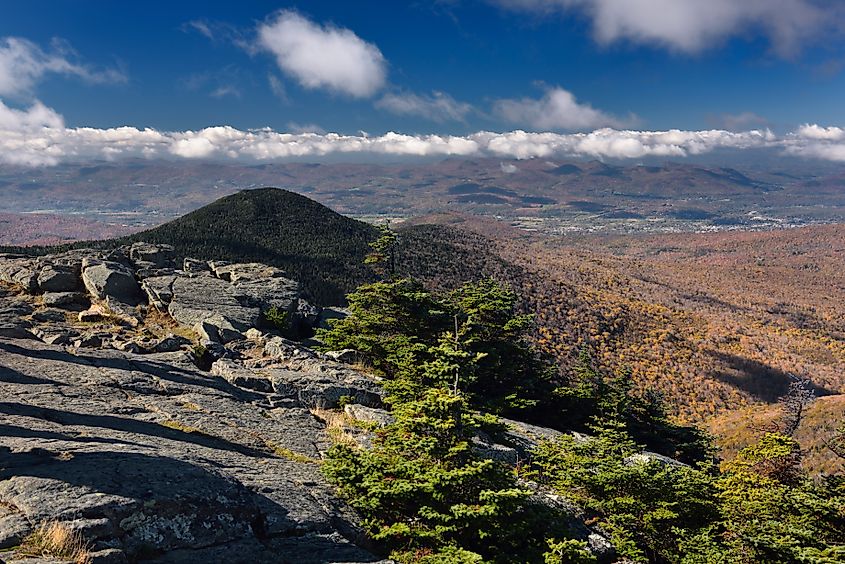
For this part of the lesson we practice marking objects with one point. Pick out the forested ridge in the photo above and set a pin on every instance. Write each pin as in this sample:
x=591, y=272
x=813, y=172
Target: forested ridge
x=456, y=360
x=316, y=246
x=689, y=327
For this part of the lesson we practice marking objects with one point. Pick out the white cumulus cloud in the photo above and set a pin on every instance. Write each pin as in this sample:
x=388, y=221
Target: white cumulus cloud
x=693, y=25
x=37, y=136
x=438, y=107
x=323, y=56
x=23, y=64
x=557, y=109
x=816, y=132
x=818, y=142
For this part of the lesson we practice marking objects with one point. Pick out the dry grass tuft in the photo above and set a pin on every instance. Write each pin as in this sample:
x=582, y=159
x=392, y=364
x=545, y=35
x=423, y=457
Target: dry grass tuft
x=56, y=540
x=337, y=425
x=161, y=324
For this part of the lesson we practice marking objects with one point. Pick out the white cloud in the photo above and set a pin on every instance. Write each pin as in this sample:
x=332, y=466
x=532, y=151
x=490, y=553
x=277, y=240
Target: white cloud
x=439, y=107
x=37, y=136
x=557, y=109
x=816, y=132
x=323, y=56
x=693, y=25
x=23, y=64
x=200, y=26
x=815, y=141
x=509, y=168
x=37, y=116
x=226, y=90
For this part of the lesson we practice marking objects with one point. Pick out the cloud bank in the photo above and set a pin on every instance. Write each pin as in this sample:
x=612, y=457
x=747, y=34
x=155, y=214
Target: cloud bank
x=694, y=25
x=323, y=57
x=37, y=136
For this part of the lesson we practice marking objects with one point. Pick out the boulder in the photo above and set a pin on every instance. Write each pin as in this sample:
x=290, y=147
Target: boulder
x=65, y=300
x=93, y=314
x=108, y=279
x=60, y=337
x=159, y=290
x=123, y=313
x=196, y=299
x=283, y=350
x=207, y=333
x=160, y=256
x=58, y=279
x=224, y=328
x=380, y=417
x=236, y=272
x=195, y=265
x=647, y=457
x=92, y=340
x=266, y=293
x=346, y=356
x=324, y=390
x=19, y=272
x=171, y=343
x=254, y=334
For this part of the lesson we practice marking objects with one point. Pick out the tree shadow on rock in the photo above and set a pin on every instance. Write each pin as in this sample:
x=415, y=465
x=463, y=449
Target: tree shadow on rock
x=153, y=504
x=127, y=425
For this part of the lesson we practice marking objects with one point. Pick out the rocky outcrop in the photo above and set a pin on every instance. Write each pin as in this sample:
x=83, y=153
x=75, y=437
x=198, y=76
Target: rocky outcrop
x=155, y=460
x=55, y=278
x=146, y=254
x=168, y=423
x=201, y=298
x=107, y=279
x=219, y=301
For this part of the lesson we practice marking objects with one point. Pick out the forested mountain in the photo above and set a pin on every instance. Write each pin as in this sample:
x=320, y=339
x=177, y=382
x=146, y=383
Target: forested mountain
x=316, y=246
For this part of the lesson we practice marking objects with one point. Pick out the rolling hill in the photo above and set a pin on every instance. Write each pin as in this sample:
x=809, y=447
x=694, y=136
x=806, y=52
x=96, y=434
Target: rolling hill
x=320, y=248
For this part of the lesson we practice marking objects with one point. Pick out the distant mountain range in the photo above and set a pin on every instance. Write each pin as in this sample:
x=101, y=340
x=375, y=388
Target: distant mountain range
x=552, y=195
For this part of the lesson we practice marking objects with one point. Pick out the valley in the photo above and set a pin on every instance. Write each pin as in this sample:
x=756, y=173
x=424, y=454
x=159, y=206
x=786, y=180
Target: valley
x=548, y=196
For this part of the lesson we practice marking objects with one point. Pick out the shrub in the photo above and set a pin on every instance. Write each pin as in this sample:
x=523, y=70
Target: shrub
x=425, y=495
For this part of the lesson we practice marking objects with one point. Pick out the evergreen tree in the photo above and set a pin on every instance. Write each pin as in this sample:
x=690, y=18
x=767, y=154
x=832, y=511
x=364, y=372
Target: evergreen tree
x=425, y=495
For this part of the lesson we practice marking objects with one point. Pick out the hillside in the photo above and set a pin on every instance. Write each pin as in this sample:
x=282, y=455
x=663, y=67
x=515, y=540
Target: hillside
x=716, y=323
x=321, y=249
x=273, y=448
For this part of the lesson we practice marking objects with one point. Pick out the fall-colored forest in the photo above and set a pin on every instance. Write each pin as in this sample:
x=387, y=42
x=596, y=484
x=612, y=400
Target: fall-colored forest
x=718, y=323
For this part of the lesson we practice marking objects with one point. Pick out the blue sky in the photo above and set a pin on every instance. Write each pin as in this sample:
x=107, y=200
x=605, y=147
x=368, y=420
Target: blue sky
x=476, y=52
x=447, y=67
